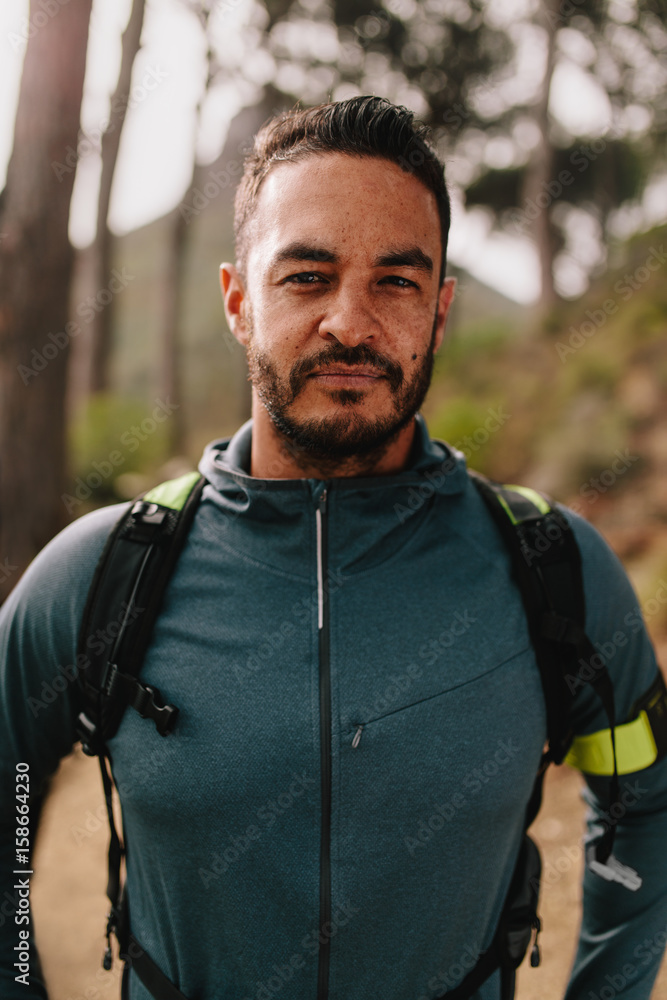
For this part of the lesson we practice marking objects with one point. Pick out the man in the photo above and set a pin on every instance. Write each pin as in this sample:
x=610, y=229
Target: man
x=339, y=809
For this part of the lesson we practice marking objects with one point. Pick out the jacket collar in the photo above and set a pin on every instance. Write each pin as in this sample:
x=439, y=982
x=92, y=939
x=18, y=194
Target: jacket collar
x=226, y=463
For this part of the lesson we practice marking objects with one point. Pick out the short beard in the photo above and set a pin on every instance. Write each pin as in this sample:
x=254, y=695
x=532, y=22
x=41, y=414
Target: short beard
x=349, y=440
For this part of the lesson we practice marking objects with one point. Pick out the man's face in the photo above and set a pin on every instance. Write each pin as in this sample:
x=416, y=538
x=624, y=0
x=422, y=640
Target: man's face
x=342, y=308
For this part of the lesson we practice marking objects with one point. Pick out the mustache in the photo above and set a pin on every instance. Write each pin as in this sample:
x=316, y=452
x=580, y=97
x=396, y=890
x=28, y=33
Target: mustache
x=339, y=354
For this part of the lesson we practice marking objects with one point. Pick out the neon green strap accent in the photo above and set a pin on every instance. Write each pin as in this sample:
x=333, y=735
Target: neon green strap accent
x=635, y=749
x=174, y=492
x=531, y=495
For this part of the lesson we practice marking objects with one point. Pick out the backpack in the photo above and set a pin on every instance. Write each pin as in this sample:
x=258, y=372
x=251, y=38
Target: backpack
x=128, y=586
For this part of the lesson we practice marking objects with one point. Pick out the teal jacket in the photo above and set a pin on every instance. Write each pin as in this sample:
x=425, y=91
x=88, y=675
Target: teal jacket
x=358, y=640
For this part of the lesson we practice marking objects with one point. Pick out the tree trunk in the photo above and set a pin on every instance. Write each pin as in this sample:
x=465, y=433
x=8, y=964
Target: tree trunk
x=102, y=325
x=35, y=271
x=171, y=382
x=540, y=171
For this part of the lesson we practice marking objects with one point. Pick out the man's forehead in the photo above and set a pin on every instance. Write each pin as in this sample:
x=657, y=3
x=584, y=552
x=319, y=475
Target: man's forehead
x=366, y=199
x=336, y=171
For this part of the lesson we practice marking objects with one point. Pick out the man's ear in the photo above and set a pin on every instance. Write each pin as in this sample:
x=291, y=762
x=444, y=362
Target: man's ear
x=445, y=299
x=234, y=298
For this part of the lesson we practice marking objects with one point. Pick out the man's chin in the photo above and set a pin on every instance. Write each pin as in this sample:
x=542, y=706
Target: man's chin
x=338, y=437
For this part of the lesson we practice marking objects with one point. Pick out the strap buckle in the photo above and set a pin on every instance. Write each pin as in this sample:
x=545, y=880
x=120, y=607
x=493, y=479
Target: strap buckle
x=148, y=513
x=149, y=704
x=143, y=698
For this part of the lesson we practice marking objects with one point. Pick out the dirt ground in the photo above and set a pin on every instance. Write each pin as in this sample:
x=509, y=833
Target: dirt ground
x=69, y=903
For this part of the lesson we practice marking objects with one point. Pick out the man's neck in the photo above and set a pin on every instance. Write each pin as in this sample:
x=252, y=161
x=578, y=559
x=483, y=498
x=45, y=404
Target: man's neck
x=272, y=456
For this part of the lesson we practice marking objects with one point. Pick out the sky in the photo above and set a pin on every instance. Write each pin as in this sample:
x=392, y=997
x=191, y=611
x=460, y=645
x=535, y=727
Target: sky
x=155, y=159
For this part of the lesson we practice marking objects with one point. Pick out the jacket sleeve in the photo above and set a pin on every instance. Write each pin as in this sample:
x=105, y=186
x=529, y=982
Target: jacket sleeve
x=39, y=704
x=623, y=932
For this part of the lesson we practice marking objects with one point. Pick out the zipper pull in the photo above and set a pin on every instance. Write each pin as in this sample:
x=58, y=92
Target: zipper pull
x=535, y=953
x=357, y=738
x=323, y=499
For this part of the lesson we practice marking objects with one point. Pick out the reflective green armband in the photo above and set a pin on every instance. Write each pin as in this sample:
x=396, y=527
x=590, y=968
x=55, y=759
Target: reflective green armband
x=639, y=743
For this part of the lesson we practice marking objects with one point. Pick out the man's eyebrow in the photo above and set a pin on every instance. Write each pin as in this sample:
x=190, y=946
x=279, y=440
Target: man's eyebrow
x=405, y=257
x=399, y=257
x=304, y=252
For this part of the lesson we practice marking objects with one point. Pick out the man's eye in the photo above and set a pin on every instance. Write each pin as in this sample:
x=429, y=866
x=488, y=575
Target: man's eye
x=399, y=281
x=303, y=278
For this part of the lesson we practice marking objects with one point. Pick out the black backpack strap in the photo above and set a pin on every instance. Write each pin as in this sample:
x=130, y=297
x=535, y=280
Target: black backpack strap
x=546, y=566
x=515, y=929
x=123, y=604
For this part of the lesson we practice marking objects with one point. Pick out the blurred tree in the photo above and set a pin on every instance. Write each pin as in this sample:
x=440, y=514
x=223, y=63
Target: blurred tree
x=577, y=178
x=35, y=272
x=194, y=201
x=481, y=72
x=171, y=381
x=102, y=248
x=539, y=170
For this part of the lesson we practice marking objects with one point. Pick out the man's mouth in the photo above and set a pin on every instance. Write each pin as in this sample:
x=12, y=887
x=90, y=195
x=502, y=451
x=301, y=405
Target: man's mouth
x=339, y=375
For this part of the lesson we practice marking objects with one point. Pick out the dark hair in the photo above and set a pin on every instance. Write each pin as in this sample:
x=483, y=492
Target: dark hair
x=361, y=126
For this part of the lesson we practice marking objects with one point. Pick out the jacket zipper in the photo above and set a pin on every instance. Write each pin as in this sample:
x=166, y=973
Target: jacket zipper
x=325, y=749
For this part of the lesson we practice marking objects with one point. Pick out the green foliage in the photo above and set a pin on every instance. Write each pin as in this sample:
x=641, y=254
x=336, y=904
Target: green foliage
x=457, y=419
x=462, y=352
x=598, y=371
x=113, y=436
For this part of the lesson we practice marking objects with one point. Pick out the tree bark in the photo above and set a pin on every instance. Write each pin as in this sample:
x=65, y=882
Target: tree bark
x=171, y=382
x=101, y=331
x=540, y=170
x=35, y=271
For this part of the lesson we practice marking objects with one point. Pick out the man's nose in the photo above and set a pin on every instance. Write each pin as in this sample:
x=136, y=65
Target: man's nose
x=350, y=318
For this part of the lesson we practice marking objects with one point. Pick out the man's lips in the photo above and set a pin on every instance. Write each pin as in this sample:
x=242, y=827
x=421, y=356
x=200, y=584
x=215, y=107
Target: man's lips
x=337, y=374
